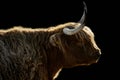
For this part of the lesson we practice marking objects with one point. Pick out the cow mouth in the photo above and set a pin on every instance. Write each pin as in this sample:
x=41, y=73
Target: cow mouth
x=89, y=62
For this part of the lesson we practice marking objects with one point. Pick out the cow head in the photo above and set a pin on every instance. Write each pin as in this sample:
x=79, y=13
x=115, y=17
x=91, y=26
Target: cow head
x=77, y=43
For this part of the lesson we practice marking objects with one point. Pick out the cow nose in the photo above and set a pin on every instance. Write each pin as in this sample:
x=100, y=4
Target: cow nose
x=97, y=54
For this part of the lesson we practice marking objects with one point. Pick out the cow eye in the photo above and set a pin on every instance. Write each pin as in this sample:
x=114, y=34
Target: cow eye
x=79, y=44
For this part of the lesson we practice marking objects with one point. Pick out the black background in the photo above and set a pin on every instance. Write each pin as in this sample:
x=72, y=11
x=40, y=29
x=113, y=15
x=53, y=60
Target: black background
x=100, y=18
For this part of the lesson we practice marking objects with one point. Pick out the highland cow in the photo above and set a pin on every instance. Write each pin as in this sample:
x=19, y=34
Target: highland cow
x=40, y=54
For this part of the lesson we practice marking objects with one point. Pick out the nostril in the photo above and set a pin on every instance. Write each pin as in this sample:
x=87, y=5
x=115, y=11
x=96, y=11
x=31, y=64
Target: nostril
x=97, y=54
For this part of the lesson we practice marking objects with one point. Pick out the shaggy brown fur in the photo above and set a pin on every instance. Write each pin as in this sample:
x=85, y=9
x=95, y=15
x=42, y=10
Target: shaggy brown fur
x=32, y=54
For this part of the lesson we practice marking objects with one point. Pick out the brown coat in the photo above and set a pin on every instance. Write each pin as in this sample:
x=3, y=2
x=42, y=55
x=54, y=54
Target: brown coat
x=38, y=54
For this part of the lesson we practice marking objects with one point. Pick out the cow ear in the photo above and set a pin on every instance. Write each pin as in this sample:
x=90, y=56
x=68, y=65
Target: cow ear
x=54, y=40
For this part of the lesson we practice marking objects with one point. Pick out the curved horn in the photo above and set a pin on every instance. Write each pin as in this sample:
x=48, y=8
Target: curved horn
x=79, y=25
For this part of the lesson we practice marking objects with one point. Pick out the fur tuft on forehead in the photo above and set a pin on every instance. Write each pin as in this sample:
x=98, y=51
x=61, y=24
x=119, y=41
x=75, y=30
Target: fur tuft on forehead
x=88, y=31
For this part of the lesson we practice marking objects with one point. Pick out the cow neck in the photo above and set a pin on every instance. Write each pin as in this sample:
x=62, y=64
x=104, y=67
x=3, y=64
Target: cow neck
x=55, y=61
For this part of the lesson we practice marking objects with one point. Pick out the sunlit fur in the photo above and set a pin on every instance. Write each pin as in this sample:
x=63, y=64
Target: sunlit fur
x=32, y=54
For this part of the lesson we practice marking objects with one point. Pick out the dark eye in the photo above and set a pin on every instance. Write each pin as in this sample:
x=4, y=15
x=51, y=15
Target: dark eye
x=78, y=44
